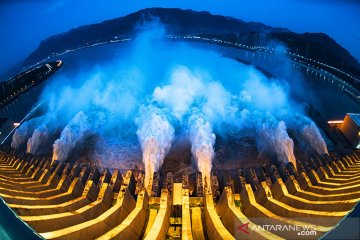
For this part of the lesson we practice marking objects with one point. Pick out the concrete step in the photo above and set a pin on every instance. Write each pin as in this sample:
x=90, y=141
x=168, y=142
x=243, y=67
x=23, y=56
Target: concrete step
x=132, y=226
x=260, y=215
x=233, y=219
x=96, y=227
x=280, y=193
x=324, y=218
x=161, y=223
x=306, y=192
x=186, y=233
x=214, y=227
x=197, y=223
x=53, y=222
x=86, y=198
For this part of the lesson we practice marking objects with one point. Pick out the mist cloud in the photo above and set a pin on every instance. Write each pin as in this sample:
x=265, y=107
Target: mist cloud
x=154, y=90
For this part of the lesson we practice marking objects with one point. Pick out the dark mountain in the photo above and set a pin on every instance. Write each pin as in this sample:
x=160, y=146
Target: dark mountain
x=314, y=45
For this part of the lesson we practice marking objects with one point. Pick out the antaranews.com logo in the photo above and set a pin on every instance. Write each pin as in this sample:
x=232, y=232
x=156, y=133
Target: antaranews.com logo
x=303, y=230
x=346, y=229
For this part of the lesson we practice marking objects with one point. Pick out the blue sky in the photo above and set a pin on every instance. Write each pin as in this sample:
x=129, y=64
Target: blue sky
x=24, y=23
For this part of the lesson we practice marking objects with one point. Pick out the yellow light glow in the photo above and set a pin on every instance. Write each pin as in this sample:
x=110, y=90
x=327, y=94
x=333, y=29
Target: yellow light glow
x=335, y=121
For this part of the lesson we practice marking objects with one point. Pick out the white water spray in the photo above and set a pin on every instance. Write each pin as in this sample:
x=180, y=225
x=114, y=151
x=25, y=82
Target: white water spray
x=203, y=140
x=273, y=136
x=312, y=135
x=81, y=126
x=41, y=135
x=155, y=135
x=307, y=131
x=23, y=132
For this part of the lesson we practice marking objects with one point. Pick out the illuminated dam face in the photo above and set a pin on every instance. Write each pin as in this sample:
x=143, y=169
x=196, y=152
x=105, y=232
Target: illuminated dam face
x=178, y=139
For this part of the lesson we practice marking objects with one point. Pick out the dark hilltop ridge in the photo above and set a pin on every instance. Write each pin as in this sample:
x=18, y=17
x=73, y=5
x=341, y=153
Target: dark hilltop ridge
x=317, y=46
